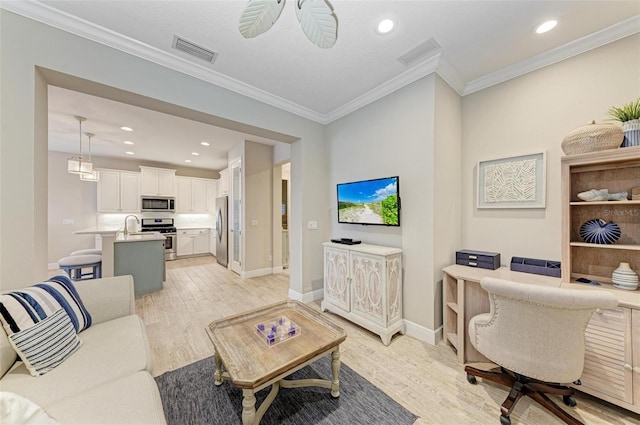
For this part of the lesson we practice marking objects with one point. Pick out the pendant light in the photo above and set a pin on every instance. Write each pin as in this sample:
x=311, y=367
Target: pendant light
x=76, y=164
x=93, y=175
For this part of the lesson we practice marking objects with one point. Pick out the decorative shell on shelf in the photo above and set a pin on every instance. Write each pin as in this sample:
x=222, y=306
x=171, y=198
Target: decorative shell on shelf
x=602, y=195
x=592, y=137
x=600, y=232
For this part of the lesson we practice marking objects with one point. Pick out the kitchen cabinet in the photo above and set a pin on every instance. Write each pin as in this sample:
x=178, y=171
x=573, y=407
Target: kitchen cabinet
x=191, y=195
x=118, y=191
x=212, y=194
x=192, y=242
x=223, y=183
x=363, y=284
x=157, y=181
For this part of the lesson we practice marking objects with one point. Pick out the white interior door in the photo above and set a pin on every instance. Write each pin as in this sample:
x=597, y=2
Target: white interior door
x=235, y=220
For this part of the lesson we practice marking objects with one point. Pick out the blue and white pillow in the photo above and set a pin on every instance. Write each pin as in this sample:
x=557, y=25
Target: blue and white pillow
x=23, y=308
x=46, y=344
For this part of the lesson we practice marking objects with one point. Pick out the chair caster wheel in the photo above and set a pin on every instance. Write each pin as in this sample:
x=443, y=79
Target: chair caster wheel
x=471, y=379
x=505, y=420
x=569, y=400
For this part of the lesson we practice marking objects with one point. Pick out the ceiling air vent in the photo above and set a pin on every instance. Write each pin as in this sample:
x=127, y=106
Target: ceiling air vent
x=193, y=49
x=422, y=51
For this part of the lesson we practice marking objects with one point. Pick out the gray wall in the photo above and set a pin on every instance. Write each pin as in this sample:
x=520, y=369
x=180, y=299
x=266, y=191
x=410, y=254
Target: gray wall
x=414, y=132
x=533, y=113
x=258, y=199
x=69, y=199
x=397, y=135
x=23, y=154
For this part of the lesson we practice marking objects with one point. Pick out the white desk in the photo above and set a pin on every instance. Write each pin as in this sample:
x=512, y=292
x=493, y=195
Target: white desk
x=613, y=376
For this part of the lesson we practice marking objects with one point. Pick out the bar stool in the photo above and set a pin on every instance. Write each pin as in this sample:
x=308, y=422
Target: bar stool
x=87, y=252
x=73, y=265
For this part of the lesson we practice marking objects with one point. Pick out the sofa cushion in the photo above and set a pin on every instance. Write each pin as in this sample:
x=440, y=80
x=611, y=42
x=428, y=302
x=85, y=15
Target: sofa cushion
x=46, y=344
x=109, y=351
x=133, y=399
x=8, y=355
x=23, y=308
x=15, y=409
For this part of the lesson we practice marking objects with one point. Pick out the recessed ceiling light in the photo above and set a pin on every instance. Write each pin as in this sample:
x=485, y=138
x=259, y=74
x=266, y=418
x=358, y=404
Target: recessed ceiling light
x=126, y=128
x=128, y=142
x=205, y=143
x=195, y=153
x=385, y=26
x=130, y=153
x=187, y=160
x=546, y=26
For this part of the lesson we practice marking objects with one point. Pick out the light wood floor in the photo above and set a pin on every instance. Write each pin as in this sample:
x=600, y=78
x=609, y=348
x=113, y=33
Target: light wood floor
x=425, y=379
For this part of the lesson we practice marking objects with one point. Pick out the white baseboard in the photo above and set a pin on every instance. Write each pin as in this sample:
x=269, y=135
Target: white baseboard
x=307, y=297
x=261, y=272
x=247, y=274
x=53, y=266
x=424, y=334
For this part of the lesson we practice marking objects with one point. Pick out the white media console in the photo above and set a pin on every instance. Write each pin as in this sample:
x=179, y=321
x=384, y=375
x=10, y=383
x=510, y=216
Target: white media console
x=363, y=284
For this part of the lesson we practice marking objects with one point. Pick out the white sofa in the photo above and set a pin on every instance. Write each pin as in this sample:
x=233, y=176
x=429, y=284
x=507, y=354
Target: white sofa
x=107, y=381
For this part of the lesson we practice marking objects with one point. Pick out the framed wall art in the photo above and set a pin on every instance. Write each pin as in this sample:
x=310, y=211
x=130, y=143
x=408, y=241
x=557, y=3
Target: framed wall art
x=514, y=182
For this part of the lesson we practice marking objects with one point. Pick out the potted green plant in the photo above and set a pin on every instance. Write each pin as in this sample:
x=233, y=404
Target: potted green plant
x=629, y=116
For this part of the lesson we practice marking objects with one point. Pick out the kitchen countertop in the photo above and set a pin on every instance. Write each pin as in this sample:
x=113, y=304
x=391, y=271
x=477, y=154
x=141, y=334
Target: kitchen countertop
x=139, y=237
x=98, y=230
x=195, y=227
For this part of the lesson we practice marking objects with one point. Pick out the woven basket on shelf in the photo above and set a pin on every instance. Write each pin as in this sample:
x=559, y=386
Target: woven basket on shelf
x=592, y=137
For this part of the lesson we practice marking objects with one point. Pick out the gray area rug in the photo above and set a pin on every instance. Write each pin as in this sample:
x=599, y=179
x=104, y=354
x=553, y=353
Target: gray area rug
x=189, y=396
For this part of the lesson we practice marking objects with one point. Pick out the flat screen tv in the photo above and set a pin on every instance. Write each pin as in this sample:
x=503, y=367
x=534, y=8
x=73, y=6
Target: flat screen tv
x=375, y=202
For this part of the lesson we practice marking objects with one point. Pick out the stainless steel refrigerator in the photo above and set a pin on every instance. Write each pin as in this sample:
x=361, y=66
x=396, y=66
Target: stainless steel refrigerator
x=222, y=230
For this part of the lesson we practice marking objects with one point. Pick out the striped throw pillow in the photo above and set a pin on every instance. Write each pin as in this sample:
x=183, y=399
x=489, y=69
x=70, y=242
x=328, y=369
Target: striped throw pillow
x=46, y=344
x=23, y=308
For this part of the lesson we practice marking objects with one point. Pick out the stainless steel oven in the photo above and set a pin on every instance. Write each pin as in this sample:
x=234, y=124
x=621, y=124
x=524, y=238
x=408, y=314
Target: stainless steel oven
x=167, y=229
x=170, y=246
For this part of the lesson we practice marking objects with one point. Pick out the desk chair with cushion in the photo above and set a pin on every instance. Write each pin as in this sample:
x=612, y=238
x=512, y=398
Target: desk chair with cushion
x=535, y=334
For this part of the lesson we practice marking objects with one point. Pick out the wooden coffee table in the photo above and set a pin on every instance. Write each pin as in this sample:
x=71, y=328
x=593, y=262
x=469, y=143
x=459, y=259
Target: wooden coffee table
x=244, y=356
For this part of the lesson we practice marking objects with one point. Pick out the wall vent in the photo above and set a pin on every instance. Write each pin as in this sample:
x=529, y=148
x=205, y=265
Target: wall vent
x=421, y=52
x=193, y=49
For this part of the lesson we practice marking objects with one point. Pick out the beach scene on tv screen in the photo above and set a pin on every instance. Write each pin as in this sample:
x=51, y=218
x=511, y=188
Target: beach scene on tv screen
x=369, y=202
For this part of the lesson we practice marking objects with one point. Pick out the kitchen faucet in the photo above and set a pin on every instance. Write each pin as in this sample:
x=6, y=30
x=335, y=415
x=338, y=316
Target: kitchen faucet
x=126, y=231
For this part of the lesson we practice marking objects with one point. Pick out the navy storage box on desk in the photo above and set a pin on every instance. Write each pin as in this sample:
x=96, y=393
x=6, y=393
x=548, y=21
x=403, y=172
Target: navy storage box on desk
x=535, y=266
x=481, y=259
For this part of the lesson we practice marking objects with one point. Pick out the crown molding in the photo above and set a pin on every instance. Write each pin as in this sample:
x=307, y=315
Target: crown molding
x=74, y=25
x=592, y=41
x=450, y=75
x=49, y=16
x=415, y=73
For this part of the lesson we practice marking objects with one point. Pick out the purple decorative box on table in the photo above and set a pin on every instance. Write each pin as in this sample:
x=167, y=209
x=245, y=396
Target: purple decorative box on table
x=277, y=330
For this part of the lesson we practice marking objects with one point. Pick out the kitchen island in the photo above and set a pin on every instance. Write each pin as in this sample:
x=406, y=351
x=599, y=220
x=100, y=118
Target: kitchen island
x=142, y=256
x=108, y=236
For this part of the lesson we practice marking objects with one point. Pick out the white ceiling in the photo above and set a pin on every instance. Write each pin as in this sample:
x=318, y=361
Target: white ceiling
x=156, y=137
x=481, y=43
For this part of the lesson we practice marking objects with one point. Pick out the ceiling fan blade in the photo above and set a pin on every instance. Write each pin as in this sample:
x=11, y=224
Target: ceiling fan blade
x=259, y=16
x=318, y=22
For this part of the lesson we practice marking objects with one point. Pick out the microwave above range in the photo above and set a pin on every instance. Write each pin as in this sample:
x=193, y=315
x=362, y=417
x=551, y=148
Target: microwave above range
x=158, y=203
